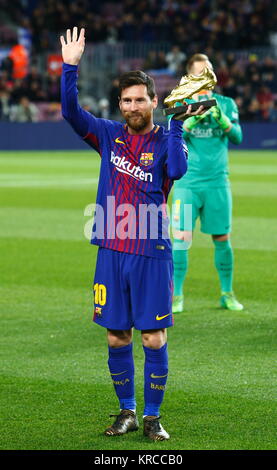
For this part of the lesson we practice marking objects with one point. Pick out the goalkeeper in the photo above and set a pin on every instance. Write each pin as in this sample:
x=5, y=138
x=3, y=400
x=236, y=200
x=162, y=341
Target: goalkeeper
x=205, y=191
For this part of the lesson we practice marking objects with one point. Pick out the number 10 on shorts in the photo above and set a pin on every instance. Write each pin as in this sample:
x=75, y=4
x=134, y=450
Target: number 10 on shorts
x=100, y=294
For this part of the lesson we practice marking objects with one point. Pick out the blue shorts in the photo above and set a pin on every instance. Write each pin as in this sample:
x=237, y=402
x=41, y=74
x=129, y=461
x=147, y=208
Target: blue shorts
x=132, y=291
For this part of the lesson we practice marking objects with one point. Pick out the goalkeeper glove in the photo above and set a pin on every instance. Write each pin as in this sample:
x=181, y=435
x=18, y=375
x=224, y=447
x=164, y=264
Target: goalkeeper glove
x=222, y=120
x=192, y=121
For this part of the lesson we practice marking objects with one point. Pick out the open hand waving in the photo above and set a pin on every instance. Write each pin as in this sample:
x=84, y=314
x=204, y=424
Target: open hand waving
x=73, y=47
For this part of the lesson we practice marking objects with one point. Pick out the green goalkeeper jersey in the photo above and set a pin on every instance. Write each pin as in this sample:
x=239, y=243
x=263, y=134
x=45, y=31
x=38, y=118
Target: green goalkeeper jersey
x=208, y=147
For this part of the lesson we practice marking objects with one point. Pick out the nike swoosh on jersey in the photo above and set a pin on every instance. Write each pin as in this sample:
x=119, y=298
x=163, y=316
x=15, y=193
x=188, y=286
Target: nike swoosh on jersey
x=157, y=376
x=160, y=318
x=118, y=141
x=119, y=373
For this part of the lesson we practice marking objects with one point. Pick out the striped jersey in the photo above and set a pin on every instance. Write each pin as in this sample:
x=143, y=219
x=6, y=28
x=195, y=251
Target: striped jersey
x=136, y=175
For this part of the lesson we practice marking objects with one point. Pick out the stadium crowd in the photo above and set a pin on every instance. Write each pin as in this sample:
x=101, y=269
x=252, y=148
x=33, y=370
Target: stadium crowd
x=195, y=26
x=252, y=83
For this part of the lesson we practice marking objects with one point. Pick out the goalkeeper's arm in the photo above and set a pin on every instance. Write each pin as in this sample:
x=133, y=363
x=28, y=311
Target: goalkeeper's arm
x=230, y=127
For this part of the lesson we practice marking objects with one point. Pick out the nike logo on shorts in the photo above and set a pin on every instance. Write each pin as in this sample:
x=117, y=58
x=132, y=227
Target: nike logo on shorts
x=164, y=316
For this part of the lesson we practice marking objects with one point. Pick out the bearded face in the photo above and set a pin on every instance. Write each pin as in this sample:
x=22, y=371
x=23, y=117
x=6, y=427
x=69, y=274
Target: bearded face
x=138, y=121
x=137, y=107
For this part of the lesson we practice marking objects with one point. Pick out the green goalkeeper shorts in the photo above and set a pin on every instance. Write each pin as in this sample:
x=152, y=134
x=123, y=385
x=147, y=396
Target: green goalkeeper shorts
x=212, y=205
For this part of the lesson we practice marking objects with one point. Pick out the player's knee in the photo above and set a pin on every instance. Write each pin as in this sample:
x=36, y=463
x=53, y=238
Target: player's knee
x=183, y=235
x=154, y=339
x=119, y=338
x=221, y=238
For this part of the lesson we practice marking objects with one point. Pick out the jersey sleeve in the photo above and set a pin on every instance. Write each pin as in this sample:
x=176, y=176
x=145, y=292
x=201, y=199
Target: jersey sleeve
x=176, y=163
x=87, y=126
x=235, y=133
x=186, y=134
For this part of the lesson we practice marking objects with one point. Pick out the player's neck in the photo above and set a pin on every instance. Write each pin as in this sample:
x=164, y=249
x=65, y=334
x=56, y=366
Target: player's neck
x=144, y=131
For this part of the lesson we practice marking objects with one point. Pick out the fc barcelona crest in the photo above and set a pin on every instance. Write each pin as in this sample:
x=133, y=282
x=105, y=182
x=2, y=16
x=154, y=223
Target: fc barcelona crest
x=146, y=159
x=98, y=311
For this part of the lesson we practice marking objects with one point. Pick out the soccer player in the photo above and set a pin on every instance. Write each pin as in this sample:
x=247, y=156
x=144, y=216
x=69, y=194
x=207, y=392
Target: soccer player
x=134, y=270
x=204, y=191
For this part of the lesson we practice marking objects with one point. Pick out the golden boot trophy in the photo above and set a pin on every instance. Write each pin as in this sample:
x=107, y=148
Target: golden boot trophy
x=188, y=86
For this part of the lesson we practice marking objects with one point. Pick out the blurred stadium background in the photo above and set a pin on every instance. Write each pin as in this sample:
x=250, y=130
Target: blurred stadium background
x=54, y=381
x=156, y=36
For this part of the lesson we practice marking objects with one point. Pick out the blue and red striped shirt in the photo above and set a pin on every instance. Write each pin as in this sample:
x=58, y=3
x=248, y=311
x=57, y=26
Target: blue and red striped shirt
x=136, y=175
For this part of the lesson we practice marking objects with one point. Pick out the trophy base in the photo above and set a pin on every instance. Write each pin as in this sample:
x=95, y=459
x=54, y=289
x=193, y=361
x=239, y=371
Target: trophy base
x=177, y=110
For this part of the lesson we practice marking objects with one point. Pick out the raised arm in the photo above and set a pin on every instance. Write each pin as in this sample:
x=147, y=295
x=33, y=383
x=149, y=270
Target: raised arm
x=177, y=148
x=72, y=50
x=177, y=151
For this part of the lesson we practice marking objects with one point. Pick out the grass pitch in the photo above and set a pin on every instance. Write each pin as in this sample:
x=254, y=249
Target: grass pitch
x=56, y=392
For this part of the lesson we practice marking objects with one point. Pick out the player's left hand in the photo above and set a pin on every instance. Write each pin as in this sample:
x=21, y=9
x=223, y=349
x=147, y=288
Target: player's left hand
x=189, y=113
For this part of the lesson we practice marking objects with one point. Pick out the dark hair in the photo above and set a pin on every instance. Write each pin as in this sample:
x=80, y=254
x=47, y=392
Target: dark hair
x=196, y=58
x=137, y=77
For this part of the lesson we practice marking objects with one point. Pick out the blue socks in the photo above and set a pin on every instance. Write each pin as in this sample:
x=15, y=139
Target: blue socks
x=155, y=377
x=121, y=365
